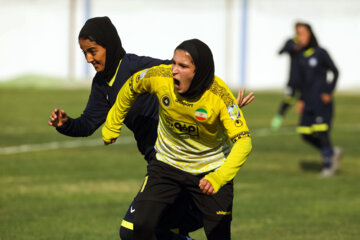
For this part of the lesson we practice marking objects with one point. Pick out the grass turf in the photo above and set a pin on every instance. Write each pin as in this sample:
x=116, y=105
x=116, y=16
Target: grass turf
x=83, y=192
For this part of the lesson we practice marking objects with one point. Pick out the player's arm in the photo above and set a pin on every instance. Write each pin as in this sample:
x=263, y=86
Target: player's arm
x=300, y=105
x=289, y=47
x=326, y=96
x=91, y=119
x=239, y=134
x=127, y=95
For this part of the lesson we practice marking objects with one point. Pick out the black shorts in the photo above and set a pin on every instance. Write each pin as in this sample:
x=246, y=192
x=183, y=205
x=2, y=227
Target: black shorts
x=182, y=216
x=165, y=183
x=316, y=119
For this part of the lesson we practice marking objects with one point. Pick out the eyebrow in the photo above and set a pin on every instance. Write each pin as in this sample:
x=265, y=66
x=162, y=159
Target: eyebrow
x=89, y=49
x=180, y=63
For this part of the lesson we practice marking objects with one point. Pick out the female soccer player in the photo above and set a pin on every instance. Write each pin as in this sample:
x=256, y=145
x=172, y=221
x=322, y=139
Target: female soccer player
x=198, y=117
x=316, y=104
x=293, y=48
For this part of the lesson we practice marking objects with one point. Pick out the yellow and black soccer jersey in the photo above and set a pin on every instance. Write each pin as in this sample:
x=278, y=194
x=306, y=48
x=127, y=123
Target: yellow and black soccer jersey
x=194, y=136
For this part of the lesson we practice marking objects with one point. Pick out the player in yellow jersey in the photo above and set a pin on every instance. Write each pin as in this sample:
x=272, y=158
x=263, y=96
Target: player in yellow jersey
x=203, y=139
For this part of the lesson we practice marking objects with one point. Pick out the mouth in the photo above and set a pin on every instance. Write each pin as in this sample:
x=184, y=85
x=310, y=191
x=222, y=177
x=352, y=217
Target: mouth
x=95, y=64
x=176, y=83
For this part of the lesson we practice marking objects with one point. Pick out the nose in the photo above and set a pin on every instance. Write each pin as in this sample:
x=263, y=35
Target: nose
x=174, y=69
x=89, y=57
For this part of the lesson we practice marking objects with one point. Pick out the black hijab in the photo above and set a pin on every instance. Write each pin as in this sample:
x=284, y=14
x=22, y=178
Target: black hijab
x=204, y=67
x=313, y=43
x=103, y=32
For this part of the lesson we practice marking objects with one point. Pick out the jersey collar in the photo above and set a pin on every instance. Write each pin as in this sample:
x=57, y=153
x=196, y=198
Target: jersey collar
x=307, y=53
x=112, y=80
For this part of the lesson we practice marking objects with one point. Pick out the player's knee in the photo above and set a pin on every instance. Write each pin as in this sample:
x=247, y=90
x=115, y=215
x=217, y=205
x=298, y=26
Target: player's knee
x=125, y=233
x=324, y=139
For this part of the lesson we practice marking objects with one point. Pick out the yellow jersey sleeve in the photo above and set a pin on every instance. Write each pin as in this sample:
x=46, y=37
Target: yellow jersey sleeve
x=236, y=129
x=139, y=83
x=237, y=157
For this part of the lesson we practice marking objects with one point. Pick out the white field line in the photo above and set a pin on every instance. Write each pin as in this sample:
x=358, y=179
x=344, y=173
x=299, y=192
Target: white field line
x=260, y=132
x=61, y=145
x=264, y=132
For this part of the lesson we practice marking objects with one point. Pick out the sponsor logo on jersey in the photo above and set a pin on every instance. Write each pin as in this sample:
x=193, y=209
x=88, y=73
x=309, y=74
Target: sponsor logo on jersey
x=234, y=112
x=165, y=100
x=184, y=103
x=182, y=129
x=186, y=128
x=223, y=213
x=201, y=114
x=132, y=209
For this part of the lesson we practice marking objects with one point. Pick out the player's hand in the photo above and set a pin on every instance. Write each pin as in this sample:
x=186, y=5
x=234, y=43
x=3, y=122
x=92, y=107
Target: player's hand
x=57, y=118
x=326, y=98
x=243, y=101
x=206, y=187
x=300, y=107
x=111, y=142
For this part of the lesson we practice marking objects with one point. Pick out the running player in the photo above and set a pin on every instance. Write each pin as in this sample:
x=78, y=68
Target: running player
x=292, y=48
x=198, y=119
x=316, y=104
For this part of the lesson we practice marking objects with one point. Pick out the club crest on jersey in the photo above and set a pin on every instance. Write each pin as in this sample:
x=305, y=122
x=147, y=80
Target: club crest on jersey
x=234, y=112
x=201, y=114
x=165, y=100
x=313, y=62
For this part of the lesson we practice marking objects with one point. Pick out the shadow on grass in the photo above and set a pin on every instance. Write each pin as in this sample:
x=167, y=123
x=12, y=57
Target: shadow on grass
x=310, y=166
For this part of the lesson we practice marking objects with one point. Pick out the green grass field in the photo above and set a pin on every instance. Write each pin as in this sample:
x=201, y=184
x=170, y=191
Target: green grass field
x=83, y=192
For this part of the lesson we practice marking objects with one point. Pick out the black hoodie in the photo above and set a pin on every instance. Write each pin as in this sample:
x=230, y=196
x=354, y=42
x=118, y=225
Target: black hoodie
x=142, y=118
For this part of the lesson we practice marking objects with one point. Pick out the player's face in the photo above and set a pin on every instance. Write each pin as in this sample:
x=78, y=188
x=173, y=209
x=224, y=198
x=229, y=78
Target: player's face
x=303, y=35
x=94, y=53
x=183, y=70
